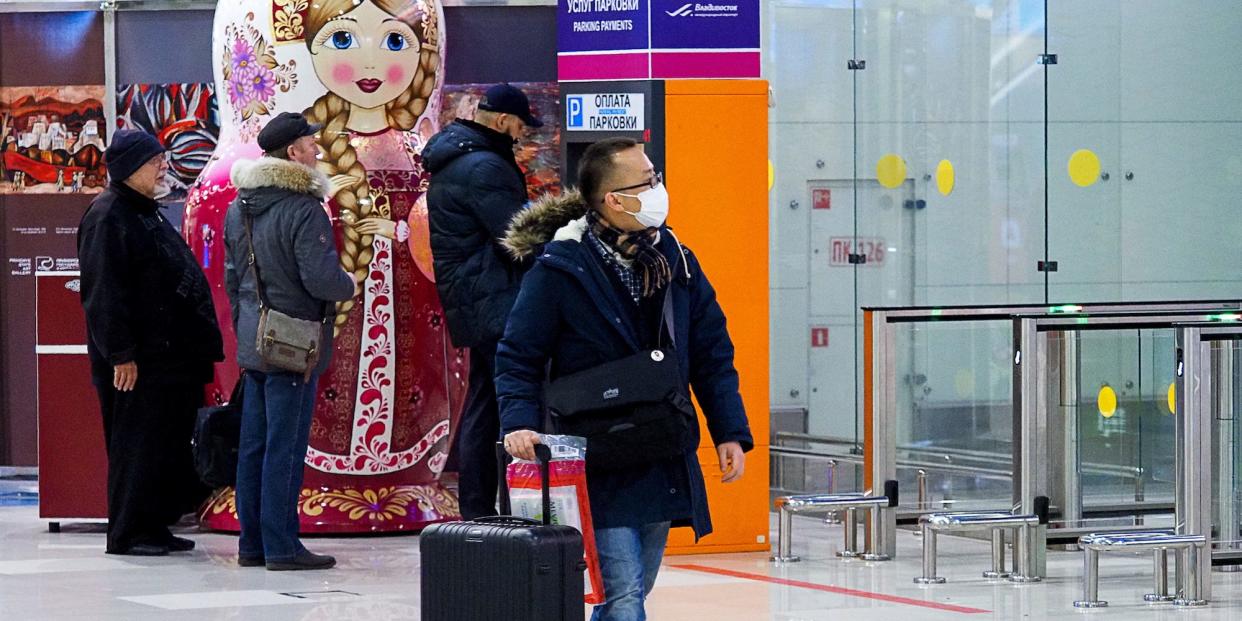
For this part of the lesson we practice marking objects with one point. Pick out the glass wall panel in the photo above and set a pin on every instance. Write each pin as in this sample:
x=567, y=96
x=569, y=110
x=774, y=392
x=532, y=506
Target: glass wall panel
x=934, y=153
x=955, y=414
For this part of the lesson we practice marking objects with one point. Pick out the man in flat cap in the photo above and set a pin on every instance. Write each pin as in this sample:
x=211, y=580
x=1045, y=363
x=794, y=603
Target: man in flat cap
x=152, y=340
x=279, y=237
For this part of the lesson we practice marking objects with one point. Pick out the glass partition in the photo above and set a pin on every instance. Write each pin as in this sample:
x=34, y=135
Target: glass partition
x=1124, y=429
x=994, y=152
x=955, y=425
x=1227, y=444
x=1096, y=400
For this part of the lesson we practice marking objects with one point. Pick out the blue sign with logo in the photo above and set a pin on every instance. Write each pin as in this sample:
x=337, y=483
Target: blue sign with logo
x=668, y=39
x=717, y=24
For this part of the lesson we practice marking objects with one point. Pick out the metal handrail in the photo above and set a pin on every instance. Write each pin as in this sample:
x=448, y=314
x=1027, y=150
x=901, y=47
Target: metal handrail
x=985, y=456
x=1131, y=472
x=984, y=473
x=1005, y=311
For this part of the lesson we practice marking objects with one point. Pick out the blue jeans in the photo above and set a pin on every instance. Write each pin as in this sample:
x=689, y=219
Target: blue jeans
x=275, y=431
x=629, y=559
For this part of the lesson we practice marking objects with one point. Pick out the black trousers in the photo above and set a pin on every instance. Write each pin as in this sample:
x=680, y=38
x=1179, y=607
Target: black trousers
x=478, y=432
x=151, y=477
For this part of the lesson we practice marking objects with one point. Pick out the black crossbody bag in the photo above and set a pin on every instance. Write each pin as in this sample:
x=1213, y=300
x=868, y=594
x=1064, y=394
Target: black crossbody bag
x=632, y=411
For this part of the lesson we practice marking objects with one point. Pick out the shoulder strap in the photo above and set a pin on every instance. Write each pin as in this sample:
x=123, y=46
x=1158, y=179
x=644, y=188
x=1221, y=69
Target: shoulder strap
x=253, y=261
x=666, y=316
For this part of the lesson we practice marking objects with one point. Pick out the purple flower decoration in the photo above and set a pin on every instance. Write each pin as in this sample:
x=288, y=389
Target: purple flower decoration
x=243, y=54
x=251, y=72
x=263, y=84
x=240, y=90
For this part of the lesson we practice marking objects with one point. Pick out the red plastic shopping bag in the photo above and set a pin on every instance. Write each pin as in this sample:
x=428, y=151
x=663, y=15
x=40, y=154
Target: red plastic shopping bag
x=570, y=504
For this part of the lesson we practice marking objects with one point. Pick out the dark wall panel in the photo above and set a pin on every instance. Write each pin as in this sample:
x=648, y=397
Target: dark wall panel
x=5, y=432
x=500, y=44
x=164, y=47
x=51, y=49
x=40, y=232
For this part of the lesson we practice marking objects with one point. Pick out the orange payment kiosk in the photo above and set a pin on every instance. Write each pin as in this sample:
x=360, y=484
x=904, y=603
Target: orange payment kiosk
x=710, y=138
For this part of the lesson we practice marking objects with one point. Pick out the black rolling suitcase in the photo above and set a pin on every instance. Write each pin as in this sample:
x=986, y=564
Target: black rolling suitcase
x=503, y=568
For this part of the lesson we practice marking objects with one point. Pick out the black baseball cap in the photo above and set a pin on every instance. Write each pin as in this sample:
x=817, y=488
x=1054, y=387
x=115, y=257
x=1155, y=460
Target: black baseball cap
x=281, y=131
x=509, y=99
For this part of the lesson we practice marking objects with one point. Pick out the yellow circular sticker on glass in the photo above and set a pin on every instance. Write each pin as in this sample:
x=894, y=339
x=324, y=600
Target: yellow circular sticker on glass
x=946, y=177
x=771, y=175
x=964, y=383
x=890, y=171
x=1084, y=168
x=1107, y=401
x=1173, y=398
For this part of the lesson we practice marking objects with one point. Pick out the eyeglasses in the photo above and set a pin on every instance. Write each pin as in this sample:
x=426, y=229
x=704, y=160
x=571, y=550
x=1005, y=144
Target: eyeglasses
x=655, y=180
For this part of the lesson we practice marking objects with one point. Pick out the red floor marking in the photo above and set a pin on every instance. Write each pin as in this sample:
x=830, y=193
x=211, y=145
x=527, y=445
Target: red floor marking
x=892, y=599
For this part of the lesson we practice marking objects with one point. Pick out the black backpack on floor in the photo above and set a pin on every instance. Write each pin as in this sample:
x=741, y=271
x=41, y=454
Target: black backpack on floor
x=217, y=433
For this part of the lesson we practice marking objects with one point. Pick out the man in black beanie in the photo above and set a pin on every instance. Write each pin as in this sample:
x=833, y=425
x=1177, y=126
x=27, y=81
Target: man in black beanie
x=152, y=338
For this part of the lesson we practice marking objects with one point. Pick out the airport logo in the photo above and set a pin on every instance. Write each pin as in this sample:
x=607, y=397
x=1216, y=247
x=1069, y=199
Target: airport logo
x=692, y=9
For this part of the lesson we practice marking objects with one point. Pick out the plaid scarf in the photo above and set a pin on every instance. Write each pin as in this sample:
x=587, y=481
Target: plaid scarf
x=649, y=264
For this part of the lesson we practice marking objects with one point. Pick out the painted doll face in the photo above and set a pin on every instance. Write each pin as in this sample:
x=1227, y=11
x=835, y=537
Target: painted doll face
x=366, y=56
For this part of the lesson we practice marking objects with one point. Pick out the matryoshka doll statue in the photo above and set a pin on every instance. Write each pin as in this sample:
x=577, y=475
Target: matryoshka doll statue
x=369, y=71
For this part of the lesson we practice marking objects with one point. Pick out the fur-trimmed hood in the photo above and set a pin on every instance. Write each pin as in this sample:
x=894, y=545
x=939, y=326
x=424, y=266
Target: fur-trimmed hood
x=552, y=217
x=271, y=172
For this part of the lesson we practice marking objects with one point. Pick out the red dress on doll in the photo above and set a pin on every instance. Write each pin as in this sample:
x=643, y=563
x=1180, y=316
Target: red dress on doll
x=390, y=398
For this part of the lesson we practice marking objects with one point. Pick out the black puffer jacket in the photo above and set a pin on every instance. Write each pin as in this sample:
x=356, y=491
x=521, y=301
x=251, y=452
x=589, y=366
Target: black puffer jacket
x=476, y=189
x=146, y=299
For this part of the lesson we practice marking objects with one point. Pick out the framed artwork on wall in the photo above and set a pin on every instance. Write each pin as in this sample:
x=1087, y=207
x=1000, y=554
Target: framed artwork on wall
x=52, y=139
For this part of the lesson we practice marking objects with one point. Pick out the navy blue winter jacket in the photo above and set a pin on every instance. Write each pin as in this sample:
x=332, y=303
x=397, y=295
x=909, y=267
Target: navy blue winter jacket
x=570, y=314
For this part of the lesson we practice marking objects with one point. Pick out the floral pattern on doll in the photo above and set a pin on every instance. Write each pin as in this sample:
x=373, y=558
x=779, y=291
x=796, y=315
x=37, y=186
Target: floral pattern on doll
x=253, y=76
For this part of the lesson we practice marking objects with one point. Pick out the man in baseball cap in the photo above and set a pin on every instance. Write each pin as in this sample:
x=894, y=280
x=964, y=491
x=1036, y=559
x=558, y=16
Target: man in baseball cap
x=508, y=99
x=476, y=189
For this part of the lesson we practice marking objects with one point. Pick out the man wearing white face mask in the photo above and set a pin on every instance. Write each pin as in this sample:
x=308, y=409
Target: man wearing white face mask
x=612, y=288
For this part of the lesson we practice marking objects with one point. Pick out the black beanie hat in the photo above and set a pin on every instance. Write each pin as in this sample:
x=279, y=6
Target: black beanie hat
x=130, y=149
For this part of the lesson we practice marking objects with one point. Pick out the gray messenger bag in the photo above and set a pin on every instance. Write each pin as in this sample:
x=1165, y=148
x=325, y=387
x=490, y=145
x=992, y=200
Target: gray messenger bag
x=282, y=341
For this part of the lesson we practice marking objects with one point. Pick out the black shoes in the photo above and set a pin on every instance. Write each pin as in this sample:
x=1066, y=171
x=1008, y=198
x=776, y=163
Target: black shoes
x=179, y=544
x=251, y=561
x=305, y=560
x=142, y=549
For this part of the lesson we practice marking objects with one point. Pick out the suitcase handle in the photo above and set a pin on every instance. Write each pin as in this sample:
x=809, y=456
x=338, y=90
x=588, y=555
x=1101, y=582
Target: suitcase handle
x=506, y=520
x=543, y=455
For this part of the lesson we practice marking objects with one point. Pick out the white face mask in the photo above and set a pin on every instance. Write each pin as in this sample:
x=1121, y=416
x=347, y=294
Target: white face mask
x=654, y=206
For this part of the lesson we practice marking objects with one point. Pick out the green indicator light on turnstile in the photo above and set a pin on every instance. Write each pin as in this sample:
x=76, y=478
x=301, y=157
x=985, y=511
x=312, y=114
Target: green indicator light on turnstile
x=936, y=312
x=1225, y=317
x=1065, y=308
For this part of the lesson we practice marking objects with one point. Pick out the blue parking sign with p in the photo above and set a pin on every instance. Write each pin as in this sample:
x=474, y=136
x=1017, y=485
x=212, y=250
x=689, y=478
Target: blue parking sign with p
x=573, y=106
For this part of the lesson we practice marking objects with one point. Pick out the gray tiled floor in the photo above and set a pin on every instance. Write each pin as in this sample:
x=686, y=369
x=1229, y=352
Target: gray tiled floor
x=66, y=576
